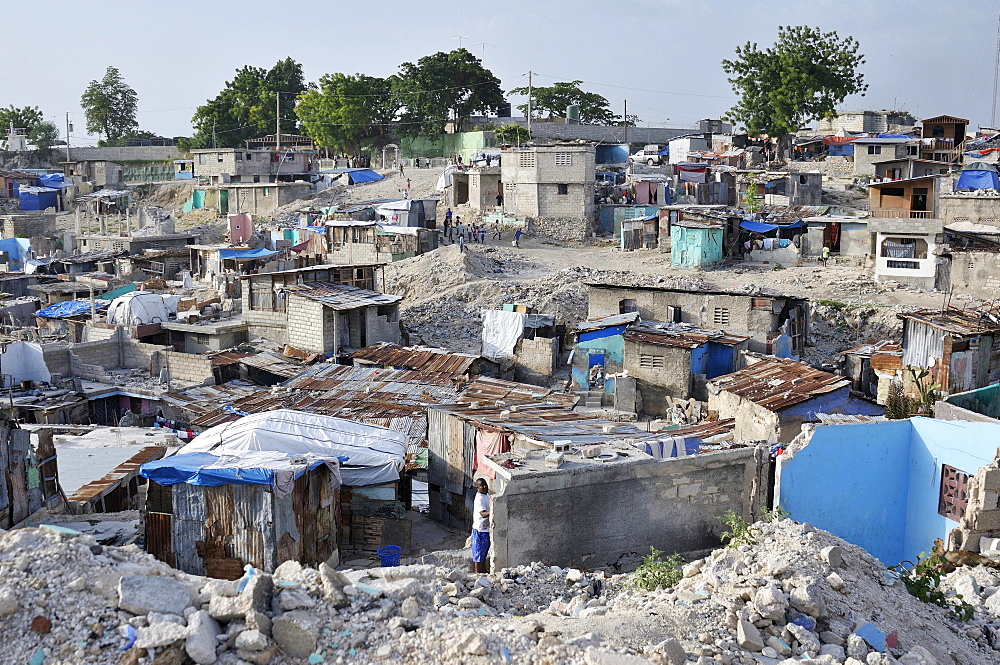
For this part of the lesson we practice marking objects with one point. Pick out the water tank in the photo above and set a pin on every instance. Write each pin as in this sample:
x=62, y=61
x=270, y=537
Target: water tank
x=573, y=113
x=504, y=111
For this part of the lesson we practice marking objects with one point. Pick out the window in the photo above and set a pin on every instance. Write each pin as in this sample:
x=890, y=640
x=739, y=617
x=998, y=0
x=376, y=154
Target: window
x=912, y=150
x=509, y=186
x=267, y=191
x=904, y=248
x=239, y=156
x=201, y=338
x=201, y=158
x=218, y=156
x=249, y=156
x=627, y=306
x=720, y=316
x=564, y=159
x=937, y=131
x=892, y=191
x=874, y=150
x=562, y=189
x=650, y=362
x=526, y=160
x=954, y=495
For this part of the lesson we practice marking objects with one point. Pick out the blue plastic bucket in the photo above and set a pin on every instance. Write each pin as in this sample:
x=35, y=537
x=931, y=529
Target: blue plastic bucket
x=389, y=556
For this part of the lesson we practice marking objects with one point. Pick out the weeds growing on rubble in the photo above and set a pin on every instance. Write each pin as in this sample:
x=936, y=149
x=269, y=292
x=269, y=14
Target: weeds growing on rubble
x=738, y=533
x=923, y=581
x=656, y=572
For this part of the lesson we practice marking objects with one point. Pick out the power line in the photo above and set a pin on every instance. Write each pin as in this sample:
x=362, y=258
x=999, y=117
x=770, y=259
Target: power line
x=625, y=87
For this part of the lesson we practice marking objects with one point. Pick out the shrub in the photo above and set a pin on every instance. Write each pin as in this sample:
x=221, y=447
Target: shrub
x=738, y=533
x=657, y=572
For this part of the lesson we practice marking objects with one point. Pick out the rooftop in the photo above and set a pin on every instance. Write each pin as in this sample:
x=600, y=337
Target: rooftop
x=341, y=296
x=417, y=358
x=964, y=322
x=679, y=335
x=777, y=383
x=759, y=293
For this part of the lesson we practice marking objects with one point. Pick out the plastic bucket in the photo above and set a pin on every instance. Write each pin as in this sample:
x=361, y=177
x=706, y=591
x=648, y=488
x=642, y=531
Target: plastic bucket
x=389, y=556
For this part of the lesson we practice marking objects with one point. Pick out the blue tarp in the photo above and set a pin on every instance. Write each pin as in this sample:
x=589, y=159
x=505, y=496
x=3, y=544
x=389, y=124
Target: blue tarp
x=204, y=469
x=978, y=180
x=245, y=254
x=665, y=151
x=54, y=180
x=895, y=136
x=18, y=250
x=761, y=227
x=38, y=198
x=363, y=175
x=62, y=310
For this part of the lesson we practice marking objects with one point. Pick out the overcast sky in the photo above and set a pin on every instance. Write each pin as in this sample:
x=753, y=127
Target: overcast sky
x=663, y=56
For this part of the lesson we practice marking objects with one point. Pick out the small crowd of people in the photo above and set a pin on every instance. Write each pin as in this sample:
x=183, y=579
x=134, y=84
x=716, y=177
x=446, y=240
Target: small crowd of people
x=456, y=231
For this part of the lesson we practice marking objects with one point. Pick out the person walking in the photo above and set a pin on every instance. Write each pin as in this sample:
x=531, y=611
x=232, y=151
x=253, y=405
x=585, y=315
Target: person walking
x=461, y=242
x=407, y=183
x=496, y=231
x=517, y=237
x=447, y=217
x=482, y=234
x=499, y=199
x=481, y=527
x=459, y=227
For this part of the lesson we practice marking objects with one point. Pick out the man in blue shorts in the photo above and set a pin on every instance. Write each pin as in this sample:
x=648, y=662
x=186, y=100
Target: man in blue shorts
x=481, y=527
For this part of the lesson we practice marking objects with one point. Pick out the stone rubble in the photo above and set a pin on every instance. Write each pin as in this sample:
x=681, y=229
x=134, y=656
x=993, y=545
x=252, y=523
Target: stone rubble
x=798, y=595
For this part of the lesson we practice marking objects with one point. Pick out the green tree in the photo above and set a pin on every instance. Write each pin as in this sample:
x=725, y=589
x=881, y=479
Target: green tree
x=344, y=110
x=555, y=98
x=444, y=87
x=511, y=135
x=110, y=106
x=802, y=77
x=44, y=134
x=23, y=118
x=245, y=108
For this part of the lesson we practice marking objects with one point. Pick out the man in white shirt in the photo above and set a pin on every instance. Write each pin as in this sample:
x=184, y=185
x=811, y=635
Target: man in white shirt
x=481, y=527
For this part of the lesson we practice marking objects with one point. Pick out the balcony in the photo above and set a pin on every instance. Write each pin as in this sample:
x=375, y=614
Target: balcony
x=891, y=213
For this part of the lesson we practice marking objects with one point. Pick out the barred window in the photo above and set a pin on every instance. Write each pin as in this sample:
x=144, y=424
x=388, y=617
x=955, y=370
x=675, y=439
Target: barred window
x=526, y=160
x=564, y=159
x=720, y=316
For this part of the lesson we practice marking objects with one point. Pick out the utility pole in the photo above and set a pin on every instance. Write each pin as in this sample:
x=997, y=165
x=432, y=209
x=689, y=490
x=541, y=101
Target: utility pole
x=213, y=133
x=625, y=121
x=277, y=121
x=529, y=101
x=67, y=132
x=996, y=76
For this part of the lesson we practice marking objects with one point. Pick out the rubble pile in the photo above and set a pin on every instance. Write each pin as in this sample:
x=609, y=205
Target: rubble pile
x=445, y=291
x=837, y=327
x=795, y=595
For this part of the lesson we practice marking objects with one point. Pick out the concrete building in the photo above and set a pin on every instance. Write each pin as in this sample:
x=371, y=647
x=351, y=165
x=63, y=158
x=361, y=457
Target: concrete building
x=239, y=165
x=134, y=244
x=893, y=487
x=969, y=264
x=675, y=360
x=478, y=187
x=905, y=169
x=206, y=335
x=100, y=173
x=868, y=122
x=265, y=302
x=772, y=398
x=330, y=318
x=869, y=150
x=553, y=185
x=906, y=229
x=352, y=242
x=763, y=317
x=970, y=208
x=261, y=198
x=847, y=238
x=980, y=405
x=955, y=346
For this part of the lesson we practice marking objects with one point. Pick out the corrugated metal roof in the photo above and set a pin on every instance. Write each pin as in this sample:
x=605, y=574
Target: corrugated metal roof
x=415, y=358
x=227, y=358
x=777, y=383
x=958, y=321
x=487, y=389
x=341, y=296
x=607, y=322
x=121, y=472
x=680, y=335
x=274, y=364
x=847, y=419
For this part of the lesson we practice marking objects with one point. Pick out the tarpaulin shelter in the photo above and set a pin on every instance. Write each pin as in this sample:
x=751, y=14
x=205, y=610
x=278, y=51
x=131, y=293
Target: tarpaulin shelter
x=140, y=308
x=355, y=176
x=763, y=227
x=692, y=172
x=213, y=513
x=978, y=175
x=245, y=254
x=38, y=198
x=375, y=455
x=69, y=308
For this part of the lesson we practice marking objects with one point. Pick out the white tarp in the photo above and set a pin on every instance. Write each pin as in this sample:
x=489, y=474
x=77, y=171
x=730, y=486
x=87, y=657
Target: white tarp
x=139, y=308
x=24, y=361
x=501, y=332
x=445, y=179
x=376, y=455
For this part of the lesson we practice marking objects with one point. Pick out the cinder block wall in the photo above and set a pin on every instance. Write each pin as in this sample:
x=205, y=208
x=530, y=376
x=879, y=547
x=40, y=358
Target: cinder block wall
x=189, y=368
x=536, y=360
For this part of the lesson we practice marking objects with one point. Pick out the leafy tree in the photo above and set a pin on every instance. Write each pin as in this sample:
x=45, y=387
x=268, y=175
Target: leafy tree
x=245, y=108
x=44, y=134
x=800, y=78
x=511, y=135
x=555, y=98
x=346, y=109
x=110, y=106
x=25, y=118
x=444, y=87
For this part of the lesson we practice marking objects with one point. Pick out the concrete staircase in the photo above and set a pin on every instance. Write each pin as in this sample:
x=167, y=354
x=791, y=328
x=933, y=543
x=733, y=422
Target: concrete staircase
x=592, y=399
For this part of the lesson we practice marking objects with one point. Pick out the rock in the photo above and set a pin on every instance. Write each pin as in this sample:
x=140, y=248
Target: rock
x=472, y=644
x=41, y=624
x=422, y=572
x=573, y=575
x=400, y=589
x=596, y=657
x=470, y=603
x=171, y=655
x=673, y=652
x=837, y=652
x=806, y=599
x=808, y=641
x=770, y=602
x=259, y=621
x=484, y=582
x=856, y=647
x=142, y=594
x=295, y=633
x=78, y=584
x=8, y=603
x=833, y=555
x=255, y=596
x=295, y=599
x=334, y=583
x=748, y=637
x=159, y=635
x=384, y=652
x=917, y=656
x=257, y=657
x=779, y=645
x=835, y=581
x=595, y=611
x=201, y=640
x=830, y=637
x=251, y=640
x=288, y=571
x=409, y=609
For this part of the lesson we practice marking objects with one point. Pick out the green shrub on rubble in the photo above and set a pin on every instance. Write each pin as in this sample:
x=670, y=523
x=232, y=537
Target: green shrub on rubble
x=739, y=531
x=923, y=581
x=656, y=572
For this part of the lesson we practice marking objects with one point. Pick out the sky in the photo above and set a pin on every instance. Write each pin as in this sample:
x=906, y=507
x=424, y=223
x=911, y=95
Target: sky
x=662, y=56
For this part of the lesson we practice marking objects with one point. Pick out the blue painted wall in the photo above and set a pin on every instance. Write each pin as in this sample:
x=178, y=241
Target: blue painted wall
x=695, y=248
x=877, y=485
x=608, y=341
x=611, y=154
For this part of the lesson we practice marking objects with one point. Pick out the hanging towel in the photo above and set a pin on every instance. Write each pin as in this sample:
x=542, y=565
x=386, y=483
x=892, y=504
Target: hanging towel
x=489, y=443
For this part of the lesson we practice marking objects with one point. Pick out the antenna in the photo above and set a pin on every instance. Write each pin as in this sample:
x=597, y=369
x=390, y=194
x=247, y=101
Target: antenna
x=484, y=45
x=460, y=38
